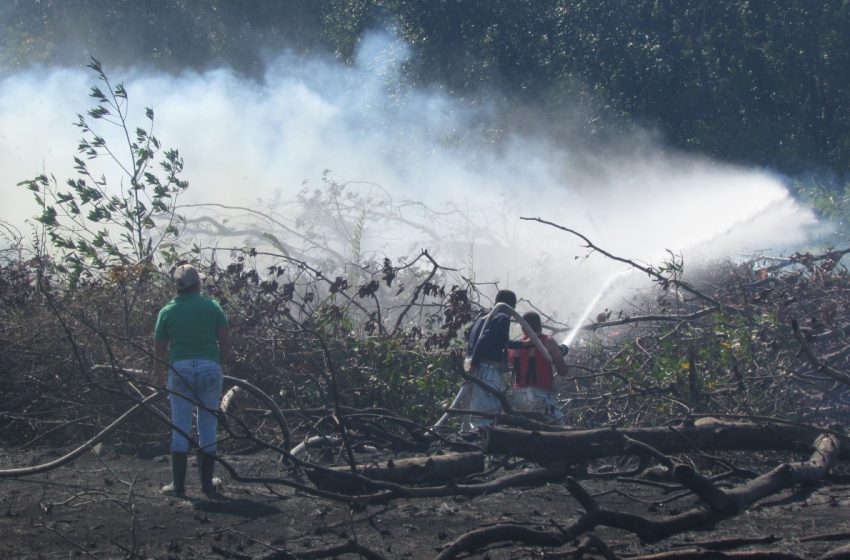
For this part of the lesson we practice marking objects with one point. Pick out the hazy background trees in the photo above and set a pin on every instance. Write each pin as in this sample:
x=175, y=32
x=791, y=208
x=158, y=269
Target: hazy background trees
x=764, y=83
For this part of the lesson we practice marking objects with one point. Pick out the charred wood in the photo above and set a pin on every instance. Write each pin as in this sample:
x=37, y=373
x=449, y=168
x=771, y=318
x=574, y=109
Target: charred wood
x=718, y=504
x=416, y=470
x=706, y=434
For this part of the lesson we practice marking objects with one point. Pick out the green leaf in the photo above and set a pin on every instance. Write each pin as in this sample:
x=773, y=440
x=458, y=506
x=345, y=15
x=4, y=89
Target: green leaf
x=151, y=179
x=95, y=65
x=98, y=112
x=48, y=217
x=96, y=93
x=98, y=214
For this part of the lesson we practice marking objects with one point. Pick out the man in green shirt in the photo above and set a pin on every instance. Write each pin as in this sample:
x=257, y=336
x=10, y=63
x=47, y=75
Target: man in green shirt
x=191, y=342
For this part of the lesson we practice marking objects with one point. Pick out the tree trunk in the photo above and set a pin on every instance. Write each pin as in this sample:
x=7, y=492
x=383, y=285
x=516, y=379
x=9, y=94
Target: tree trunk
x=416, y=470
x=705, y=434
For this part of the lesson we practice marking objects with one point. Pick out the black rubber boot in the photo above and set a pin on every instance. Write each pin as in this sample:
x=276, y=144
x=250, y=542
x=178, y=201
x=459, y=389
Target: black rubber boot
x=177, y=487
x=206, y=465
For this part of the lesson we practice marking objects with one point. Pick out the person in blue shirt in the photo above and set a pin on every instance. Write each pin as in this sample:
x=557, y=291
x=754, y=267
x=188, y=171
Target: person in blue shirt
x=487, y=360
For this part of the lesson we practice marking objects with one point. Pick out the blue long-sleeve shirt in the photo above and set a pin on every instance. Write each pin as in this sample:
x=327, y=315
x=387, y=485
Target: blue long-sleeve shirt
x=488, y=345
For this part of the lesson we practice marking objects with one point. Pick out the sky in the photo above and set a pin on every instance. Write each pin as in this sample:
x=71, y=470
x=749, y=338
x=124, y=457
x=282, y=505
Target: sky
x=454, y=176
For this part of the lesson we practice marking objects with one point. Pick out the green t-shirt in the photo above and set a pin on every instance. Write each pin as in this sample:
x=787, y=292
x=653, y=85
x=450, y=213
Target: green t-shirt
x=190, y=323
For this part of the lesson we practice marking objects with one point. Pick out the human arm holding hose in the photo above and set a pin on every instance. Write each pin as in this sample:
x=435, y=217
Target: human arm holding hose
x=558, y=362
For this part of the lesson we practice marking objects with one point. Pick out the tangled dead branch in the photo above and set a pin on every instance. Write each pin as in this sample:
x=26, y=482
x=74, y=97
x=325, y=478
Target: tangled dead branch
x=766, y=343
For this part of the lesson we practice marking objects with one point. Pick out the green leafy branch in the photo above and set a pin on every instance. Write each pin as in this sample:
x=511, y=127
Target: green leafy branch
x=95, y=224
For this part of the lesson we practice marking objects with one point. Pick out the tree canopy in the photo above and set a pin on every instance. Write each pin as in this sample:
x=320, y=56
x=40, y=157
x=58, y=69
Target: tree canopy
x=765, y=83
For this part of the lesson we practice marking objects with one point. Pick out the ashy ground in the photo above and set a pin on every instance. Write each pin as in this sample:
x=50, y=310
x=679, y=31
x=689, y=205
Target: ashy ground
x=109, y=506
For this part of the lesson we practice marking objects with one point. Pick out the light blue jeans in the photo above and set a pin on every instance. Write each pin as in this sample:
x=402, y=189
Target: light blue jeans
x=194, y=384
x=481, y=400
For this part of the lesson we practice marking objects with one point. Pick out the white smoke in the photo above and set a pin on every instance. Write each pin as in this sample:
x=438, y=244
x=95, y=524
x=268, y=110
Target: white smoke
x=255, y=144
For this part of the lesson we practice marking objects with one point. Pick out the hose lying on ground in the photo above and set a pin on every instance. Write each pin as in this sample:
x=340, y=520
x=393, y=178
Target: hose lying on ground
x=68, y=457
x=143, y=403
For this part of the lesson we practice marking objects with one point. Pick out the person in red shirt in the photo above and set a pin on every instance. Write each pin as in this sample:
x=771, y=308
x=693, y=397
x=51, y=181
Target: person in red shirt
x=533, y=388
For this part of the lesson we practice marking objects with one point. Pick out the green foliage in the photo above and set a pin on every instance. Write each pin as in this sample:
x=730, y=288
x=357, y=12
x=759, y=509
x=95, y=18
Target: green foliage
x=694, y=366
x=740, y=357
x=399, y=375
x=671, y=269
x=97, y=223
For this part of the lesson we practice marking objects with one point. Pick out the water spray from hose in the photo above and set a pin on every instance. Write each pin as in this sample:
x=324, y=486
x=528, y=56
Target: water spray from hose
x=606, y=287
x=769, y=208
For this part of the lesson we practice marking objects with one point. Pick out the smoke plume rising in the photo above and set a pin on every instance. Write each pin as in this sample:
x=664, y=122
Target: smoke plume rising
x=257, y=144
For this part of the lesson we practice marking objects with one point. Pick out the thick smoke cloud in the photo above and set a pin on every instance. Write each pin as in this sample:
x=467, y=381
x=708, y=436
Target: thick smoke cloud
x=256, y=144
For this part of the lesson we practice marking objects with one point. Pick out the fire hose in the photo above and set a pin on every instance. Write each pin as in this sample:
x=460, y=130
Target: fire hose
x=238, y=384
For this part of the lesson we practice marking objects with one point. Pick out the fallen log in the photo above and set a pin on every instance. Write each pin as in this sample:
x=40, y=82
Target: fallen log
x=705, y=554
x=731, y=502
x=716, y=504
x=705, y=434
x=840, y=553
x=415, y=470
